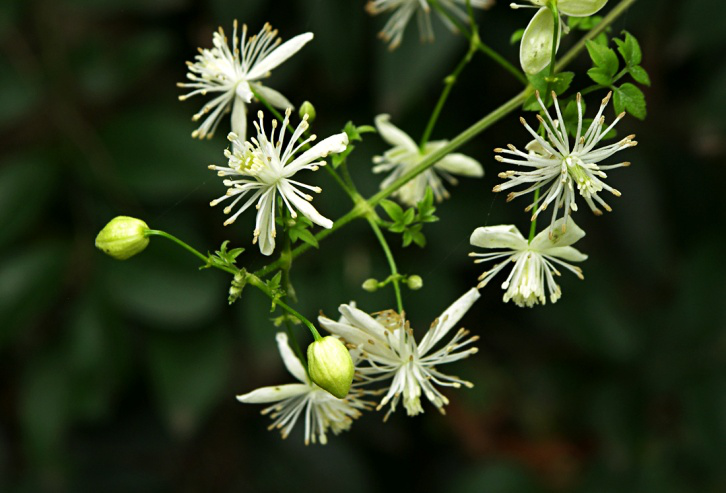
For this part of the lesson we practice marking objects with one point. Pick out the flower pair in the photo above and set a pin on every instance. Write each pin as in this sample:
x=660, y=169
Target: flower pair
x=385, y=352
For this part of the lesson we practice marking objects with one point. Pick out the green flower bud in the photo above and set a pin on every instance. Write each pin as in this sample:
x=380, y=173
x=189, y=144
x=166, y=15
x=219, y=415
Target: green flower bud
x=414, y=282
x=330, y=366
x=123, y=237
x=307, y=108
x=370, y=285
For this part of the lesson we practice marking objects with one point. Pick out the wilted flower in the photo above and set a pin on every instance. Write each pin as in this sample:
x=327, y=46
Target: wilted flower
x=554, y=163
x=533, y=264
x=405, y=155
x=386, y=341
x=322, y=411
x=403, y=10
x=232, y=74
x=262, y=167
x=535, y=50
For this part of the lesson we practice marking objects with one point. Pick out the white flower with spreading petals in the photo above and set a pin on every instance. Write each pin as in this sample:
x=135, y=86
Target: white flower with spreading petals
x=405, y=9
x=387, y=343
x=534, y=263
x=555, y=164
x=405, y=155
x=233, y=74
x=535, y=50
x=322, y=411
x=262, y=167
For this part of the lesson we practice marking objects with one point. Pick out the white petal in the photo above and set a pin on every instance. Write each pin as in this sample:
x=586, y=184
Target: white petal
x=355, y=336
x=272, y=96
x=503, y=236
x=239, y=119
x=303, y=206
x=448, y=319
x=273, y=394
x=333, y=144
x=459, y=164
x=535, y=49
x=580, y=8
x=394, y=135
x=567, y=253
x=292, y=363
x=266, y=222
x=363, y=321
x=244, y=92
x=279, y=55
x=543, y=243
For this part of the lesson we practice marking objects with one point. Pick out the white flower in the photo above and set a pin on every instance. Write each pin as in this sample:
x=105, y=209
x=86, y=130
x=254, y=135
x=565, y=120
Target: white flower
x=405, y=155
x=554, y=163
x=535, y=50
x=534, y=263
x=262, y=167
x=232, y=74
x=387, y=343
x=322, y=411
x=404, y=9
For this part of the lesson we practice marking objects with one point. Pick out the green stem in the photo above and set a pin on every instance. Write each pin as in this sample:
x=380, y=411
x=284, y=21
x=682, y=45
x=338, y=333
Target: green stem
x=391, y=261
x=362, y=208
x=190, y=249
x=473, y=37
x=449, y=82
x=533, y=225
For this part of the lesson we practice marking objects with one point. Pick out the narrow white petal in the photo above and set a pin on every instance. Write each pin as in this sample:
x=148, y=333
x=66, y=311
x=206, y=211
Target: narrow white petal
x=272, y=96
x=503, y=236
x=292, y=363
x=569, y=253
x=333, y=144
x=459, y=164
x=244, y=92
x=394, y=135
x=580, y=8
x=554, y=237
x=363, y=321
x=279, y=55
x=303, y=206
x=448, y=319
x=239, y=119
x=273, y=394
x=266, y=223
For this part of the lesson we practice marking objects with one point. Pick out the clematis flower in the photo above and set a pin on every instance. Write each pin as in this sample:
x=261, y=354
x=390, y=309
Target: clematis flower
x=406, y=154
x=535, y=50
x=557, y=167
x=322, y=411
x=231, y=74
x=261, y=168
x=533, y=264
x=387, y=343
x=403, y=10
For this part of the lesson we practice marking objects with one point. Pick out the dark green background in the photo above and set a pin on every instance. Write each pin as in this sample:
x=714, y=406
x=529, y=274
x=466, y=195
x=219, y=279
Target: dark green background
x=121, y=376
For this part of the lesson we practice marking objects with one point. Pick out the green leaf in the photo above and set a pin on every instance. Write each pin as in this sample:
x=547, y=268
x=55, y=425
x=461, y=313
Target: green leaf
x=600, y=76
x=561, y=82
x=583, y=23
x=639, y=74
x=339, y=158
x=305, y=236
x=393, y=210
x=516, y=36
x=408, y=216
x=603, y=57
x=629, y=48
x=629, y=98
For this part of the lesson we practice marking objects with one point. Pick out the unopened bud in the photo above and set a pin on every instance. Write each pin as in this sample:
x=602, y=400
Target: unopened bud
x=123, y=237
x=307, y=108
x=414, y=282
x=330, y=366
x=370, y=285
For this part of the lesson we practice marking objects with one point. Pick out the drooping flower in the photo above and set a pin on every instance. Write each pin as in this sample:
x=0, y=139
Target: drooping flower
x=403, y=10
x=534, y=264
x=321, y=410
x=231, y=74
x=556, y=167
x=405, y=155
x=387, y=343
x=535, y=50
x=262, y=167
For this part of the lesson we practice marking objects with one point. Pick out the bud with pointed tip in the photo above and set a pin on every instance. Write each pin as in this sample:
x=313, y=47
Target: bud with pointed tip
x=307, y=108
x=330, y=366
x=123, y=237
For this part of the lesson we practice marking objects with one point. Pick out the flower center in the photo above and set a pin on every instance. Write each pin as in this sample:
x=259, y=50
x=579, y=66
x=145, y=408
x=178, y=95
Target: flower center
x=587, y=184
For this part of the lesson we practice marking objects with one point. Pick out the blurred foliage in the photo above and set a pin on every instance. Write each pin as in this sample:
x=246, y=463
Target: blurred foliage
x=121, y=376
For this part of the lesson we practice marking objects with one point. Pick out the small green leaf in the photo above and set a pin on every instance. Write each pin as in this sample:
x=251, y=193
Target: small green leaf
x=408, y=216
x=583, y=23
x=629, y=49
x=337, y=159
x=393, y=210
x=306, y=236
x=516, y=36
x=603, y=57
x=561, y=82
x=600, y=76
x=629, y=98
x=639, y=74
